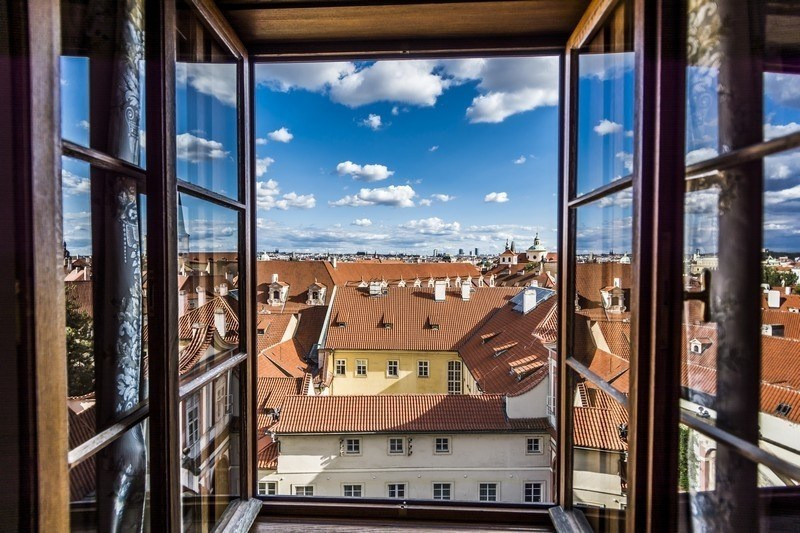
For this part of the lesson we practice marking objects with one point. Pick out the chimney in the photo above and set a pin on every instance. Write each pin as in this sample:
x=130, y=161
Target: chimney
x=275, y=278
x=208, y=266
x=183, y=302
x=86, y=274
x=788, y=291
x=223, y=289
x=528, y=300
x=439, y=289
x=201, y=296
x=535, y=283
x=219, y=322
x=617, y=282
x=774, y=299
x=333, y=262
x=466, y=289
x=375, y=288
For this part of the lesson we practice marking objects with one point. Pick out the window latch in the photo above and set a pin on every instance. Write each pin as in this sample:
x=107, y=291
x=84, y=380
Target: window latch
x=703, y=295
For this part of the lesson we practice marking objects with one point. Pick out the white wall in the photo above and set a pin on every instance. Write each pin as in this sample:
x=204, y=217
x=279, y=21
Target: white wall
x=530, y=404
x=474, y=458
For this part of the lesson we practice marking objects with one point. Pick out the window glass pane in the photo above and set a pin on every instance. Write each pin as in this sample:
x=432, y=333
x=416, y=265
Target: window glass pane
x=605, y=104
x=116, y=328
x=781, y=112
x=205, y=98
x=102, y=78
x=600, y=455
x=603, y=285
x=111, y=488
x=208, y=285
x=210, y=456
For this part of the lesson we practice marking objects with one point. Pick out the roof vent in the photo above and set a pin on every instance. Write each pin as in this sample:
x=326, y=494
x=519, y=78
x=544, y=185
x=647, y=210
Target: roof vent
x=275, y=278
x=439, y=289
x=387, y=322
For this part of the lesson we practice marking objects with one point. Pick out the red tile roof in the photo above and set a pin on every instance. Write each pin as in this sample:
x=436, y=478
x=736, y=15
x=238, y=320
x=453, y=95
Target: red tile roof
x=503, y=355
x=393, y=272
x=82, y=477
x=268, y=453
x=271, y=394
x=402, y=413
x=591, y=277
x=299, y=275
x=286, y=359
x=412, y=309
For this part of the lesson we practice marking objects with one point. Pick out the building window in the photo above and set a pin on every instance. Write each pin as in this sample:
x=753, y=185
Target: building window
x=423, y=369
x=533, y=445
x=361, y=368
x=487, y=492
x=392, y=369
x=533, y=492
x=221, y=403
x=454, y=377
x=192, y=420
x=352, y=446
x=441, y=491
x=304, y=490
x=442, y=445
x=267, y=488
x=341, y=367
x=396, y=490
x=396, y=445
x=353, y=491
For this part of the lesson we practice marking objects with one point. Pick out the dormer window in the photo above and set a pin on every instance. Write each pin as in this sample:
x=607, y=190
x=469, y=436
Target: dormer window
x=433, y=322
x=276, y=295
x=699, y=345
x=503, y=348
x=783, y=409
x=387, y=322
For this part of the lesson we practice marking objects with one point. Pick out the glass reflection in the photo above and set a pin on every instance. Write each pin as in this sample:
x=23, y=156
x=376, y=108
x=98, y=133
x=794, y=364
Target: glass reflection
x=600, y=455
x=603, y=284
x=100, y=483
x=205, y=99
x=210, y=422
x=208, y=281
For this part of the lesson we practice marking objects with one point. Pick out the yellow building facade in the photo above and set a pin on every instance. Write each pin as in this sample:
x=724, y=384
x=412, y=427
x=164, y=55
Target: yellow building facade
x=398, y=372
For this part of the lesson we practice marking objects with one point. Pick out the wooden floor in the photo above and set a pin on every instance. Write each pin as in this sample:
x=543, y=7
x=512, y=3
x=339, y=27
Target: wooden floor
x=304, y=525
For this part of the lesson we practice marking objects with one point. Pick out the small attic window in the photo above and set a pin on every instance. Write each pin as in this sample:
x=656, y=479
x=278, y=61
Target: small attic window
x=433, y=322
x=783, y=409
x=341, y=319
x=387, y=322
x=260, y=331
x=503, y=348
x=486, y=337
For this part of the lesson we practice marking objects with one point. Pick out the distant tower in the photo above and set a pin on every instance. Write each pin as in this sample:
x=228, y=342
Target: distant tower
x=476, y=252
x=183, y=236
x=512, y=246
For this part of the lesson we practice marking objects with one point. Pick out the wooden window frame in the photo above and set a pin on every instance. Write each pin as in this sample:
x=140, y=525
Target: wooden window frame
x=448, y=484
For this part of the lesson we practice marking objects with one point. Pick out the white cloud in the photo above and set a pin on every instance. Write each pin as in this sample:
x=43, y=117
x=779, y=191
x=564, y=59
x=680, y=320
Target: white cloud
x=407, y=82
x=393, y=195
x=84, y=124
x=425, y=202
x=395, y=111
x=605, y=127
x=629, y=133
x=606, y=66
x=266, y=192
x=214, y=79
x=261, y=141
x=195, y=149
x=262, y=165
x=772, y=131
x=300, y=201
x=432, y=226
x=268, y=196
x=783, y=88
x=782, y=166
x=309, y=76
x=627, y=160
x=509, y=85
x=443, y=197
x=621, y=199
x=785, y=195
x=372, y=122
x=433, y=148
x=363, y=222
x=281, y=135
x=520, y=160
x=496, y=197
x=73, y=184
x=701, y=154
x=368, y=173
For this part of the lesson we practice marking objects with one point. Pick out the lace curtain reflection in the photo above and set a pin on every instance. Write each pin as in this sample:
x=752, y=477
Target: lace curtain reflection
x=116, y=51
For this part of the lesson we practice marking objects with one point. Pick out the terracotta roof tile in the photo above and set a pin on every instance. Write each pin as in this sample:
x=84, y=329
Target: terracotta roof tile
x=268, y=453
x=299, y=275
x=591, y=277
x=412, y=309
x=393, y=272
x=82, y=477
x=285, y=359
x=272, y=392
x=401, y=413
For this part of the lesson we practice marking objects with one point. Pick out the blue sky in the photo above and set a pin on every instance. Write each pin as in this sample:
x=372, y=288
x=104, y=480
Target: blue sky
x=415, y=155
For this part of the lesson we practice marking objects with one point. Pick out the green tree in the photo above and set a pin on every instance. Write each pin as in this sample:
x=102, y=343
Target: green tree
x=683, y=459
x=775, y=278
x=80, y=349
